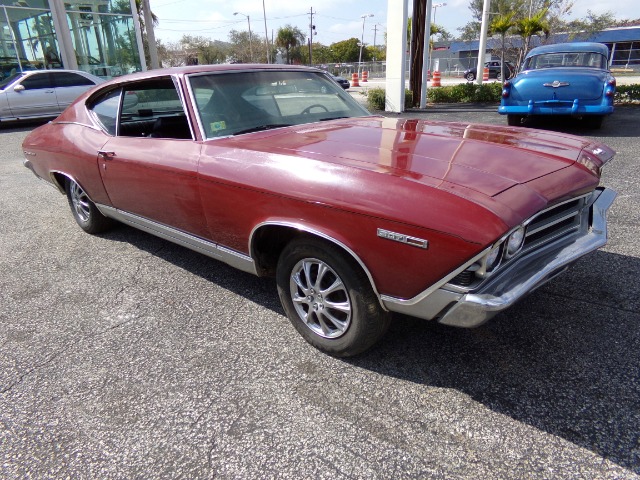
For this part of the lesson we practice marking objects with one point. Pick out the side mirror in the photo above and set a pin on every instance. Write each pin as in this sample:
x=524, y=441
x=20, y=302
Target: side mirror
x=19, y=88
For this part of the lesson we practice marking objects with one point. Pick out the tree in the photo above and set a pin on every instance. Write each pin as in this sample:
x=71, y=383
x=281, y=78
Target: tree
x=241, y=46
x=528, y=27
x=289, y=39
x=501, y=26
x=557, y=10
x=586, y=27
x=346, y=50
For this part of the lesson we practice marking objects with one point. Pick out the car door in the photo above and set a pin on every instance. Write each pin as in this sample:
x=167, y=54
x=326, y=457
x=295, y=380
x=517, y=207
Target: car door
x=35, y=96
x=69, y=86
x=149, y=163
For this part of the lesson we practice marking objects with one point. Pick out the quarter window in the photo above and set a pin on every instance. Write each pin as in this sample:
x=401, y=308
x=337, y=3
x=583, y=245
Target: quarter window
x=69, y=79
x=105, y=110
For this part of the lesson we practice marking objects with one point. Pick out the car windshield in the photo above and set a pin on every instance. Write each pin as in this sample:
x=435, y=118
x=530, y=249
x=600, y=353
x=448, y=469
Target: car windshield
x=243, y=102
x=566, y=59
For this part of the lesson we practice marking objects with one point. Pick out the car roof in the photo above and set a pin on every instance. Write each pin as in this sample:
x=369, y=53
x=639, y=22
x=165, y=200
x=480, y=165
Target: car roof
x=570, y=47
x=195, y=69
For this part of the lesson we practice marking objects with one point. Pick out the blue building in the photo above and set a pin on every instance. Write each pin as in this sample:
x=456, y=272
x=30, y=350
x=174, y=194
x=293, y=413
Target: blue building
x=623, y=43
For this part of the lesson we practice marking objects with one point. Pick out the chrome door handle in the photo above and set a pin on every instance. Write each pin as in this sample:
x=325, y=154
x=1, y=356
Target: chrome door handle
x=106, y=155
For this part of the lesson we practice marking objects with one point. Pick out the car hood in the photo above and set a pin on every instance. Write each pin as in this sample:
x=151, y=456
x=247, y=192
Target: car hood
x=413, y=170
x=482, y=158
x=570, y=83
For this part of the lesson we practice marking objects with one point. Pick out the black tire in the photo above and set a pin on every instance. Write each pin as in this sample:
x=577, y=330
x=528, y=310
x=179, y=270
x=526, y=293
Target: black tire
x=514, y=120
x=470, y=77
x=345, y=321
x=499, y=76
x=594, y=121
x=84, y=210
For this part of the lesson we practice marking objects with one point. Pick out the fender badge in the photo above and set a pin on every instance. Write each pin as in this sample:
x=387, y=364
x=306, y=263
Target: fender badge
x=406, y=239
x=556, y=84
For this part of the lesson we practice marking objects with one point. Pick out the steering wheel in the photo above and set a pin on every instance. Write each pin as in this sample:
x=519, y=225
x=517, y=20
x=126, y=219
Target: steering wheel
x=307, y=110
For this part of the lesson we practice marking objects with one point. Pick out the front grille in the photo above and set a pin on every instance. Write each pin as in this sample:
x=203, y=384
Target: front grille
x=557, y=223
x=464, y=279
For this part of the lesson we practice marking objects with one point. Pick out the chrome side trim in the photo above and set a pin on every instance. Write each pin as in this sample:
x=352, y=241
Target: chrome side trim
x=305, y=228
x=518, y=279
x=402, y=238
x=210, y=249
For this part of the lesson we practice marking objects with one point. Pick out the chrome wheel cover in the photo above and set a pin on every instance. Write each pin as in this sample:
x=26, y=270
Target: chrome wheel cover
x=80, y=202
x=320, y=298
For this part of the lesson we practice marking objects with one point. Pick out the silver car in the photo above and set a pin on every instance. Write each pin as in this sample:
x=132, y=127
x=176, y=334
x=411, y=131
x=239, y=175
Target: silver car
x=41, y=93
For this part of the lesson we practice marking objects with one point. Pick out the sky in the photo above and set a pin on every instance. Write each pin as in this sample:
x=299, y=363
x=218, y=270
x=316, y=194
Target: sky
x=335, y=20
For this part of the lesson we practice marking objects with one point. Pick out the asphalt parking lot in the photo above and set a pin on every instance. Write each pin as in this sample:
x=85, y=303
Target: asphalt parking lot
x=125, y=356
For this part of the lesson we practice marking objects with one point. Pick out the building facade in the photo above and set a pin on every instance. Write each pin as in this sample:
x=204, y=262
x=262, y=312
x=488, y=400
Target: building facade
x=623, y=42
x=101, y=37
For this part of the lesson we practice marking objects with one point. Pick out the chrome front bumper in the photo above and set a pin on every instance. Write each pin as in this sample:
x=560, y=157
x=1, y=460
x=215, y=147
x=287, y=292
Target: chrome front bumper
x=516, y=281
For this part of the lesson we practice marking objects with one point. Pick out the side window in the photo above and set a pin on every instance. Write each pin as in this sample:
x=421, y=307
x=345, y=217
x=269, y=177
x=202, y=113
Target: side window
x=40, y=80
x=69, y=79
x=105, y=110
x=153, y=109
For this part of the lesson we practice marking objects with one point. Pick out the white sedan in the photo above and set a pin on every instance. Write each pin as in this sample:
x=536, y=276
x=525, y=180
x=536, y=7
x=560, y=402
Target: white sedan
x=38, y=94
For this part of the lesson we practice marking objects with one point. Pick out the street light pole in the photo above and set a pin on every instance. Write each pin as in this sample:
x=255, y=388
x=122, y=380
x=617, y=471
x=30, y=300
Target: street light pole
x=364, y=18
x=435, y=10
x=435, y=7
x=250, y=46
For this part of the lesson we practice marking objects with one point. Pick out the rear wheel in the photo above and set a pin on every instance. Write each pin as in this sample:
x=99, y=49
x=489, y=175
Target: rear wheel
x=328, y=298
x=84, y=210
x=514, y=120
x=470, y=77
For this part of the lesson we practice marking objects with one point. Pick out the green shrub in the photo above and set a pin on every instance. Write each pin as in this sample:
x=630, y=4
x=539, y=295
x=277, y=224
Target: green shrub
x=466, y=93
x=488, y=92
x=627, y=94
x=376, y=98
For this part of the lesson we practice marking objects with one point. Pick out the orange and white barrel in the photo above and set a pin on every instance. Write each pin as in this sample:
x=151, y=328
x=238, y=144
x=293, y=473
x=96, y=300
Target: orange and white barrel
x=365, y=77
x=435, y=81
x=485, y=74
x=354, y=80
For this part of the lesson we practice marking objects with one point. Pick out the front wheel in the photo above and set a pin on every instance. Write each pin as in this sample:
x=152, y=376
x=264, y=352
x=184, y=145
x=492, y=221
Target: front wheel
x=470, y=77
x=84, y=210
x=328, y=298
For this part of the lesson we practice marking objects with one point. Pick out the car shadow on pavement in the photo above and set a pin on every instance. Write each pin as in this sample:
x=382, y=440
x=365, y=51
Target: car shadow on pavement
x=565, y=360
x=619, y=124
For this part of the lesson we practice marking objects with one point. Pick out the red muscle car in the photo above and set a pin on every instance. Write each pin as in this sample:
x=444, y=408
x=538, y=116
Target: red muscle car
x=277, y=171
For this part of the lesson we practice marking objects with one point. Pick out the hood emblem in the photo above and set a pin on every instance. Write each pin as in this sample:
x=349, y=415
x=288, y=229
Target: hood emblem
x=556, y=84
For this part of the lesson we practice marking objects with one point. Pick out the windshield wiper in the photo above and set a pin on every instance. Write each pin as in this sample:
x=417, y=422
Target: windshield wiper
x=260, y=128
x=332, y=118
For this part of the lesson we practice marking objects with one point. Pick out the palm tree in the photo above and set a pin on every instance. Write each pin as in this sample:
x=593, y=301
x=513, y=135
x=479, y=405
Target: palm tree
x=289, y=38
x=500, y=25
x=528, y=27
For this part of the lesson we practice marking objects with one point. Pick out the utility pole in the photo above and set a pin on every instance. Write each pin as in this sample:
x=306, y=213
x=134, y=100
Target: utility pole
x=312, y=31
x=266, y=35
x=375, y=33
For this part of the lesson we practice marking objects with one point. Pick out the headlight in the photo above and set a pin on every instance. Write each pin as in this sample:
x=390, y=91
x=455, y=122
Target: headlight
x=515, y=242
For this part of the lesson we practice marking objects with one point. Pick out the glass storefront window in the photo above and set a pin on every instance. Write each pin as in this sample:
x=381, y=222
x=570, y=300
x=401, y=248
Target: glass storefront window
x=105, y=44
x=27, y=40
x=102, y=33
